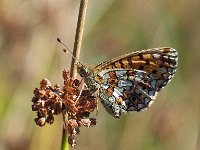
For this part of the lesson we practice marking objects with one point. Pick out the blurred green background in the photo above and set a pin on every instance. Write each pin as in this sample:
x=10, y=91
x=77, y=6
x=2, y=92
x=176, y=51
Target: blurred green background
x=30, y=52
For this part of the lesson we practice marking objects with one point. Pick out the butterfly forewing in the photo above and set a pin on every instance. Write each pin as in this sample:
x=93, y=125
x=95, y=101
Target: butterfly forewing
x=131, y=82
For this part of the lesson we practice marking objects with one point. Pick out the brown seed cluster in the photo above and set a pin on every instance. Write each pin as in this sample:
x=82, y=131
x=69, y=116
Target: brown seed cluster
x=47, y=102
x=76, y=103
x=78, y=106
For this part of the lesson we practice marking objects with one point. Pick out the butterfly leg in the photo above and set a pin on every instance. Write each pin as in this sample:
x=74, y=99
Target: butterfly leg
x=83, y=86
x=97, y=103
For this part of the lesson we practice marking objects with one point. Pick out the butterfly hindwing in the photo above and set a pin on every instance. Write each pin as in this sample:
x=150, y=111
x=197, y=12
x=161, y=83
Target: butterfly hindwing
x=125, y=90
x=131, y=82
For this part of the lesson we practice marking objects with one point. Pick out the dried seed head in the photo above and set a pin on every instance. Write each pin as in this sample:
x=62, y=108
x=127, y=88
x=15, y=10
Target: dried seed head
x=40, y=121
x=88, y=122
x=45, y=83
x=46, y=102
x=49, y=101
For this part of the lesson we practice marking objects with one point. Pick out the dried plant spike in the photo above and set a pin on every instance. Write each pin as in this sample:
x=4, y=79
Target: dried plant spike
x=47, y=102
x=66, y=100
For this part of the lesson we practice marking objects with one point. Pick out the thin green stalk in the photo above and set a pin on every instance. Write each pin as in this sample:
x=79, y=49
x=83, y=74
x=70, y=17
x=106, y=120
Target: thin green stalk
x=64, y=144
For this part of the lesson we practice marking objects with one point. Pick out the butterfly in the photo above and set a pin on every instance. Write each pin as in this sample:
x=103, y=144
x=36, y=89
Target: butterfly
x=132, y=81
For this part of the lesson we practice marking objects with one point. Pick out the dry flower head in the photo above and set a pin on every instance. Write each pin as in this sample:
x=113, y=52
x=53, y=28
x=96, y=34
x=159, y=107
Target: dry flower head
x=49, y=101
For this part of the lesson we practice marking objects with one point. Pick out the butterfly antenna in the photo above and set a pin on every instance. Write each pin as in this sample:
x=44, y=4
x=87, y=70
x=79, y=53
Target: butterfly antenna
x=68, y=50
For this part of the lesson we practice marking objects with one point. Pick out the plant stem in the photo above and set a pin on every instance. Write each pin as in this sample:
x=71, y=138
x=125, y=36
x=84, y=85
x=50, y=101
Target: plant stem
x=78, y=37
x=76, y=54
x=64, y=144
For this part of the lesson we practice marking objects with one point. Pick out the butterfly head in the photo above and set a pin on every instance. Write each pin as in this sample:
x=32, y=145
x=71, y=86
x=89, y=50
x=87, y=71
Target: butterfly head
x=89, y=77
x=83, y=70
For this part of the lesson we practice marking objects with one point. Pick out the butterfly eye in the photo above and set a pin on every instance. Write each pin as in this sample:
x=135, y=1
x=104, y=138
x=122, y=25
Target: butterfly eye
x=83, y=71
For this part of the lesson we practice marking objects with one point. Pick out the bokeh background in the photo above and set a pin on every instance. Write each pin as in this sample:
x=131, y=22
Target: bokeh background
x=29, y=52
